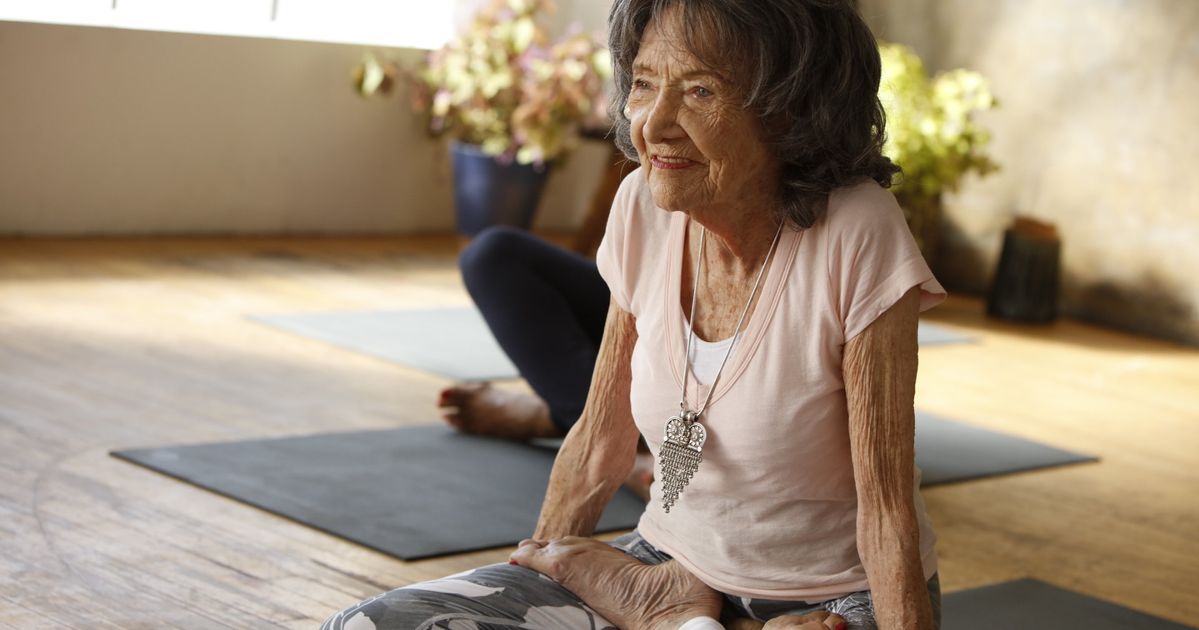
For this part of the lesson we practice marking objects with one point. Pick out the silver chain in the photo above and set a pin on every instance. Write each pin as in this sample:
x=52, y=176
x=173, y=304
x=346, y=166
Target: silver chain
x=736, y=333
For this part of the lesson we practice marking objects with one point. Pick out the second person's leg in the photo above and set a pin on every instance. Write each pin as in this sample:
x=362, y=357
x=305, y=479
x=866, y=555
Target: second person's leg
x=546, y=307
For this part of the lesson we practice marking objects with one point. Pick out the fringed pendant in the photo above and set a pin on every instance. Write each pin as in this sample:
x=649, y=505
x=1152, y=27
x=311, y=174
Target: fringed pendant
x=680, y=455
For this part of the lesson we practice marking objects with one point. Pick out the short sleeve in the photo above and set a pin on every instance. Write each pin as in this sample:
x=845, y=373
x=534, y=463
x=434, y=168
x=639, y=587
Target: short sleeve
x=872, y=258
x=614, y=253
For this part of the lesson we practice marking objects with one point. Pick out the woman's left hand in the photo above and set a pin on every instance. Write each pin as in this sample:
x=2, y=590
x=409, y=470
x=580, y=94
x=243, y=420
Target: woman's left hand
x=624, y=590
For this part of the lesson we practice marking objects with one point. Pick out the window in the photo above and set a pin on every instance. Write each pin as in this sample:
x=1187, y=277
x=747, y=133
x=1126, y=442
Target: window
x=405, y=23
x=417, y=23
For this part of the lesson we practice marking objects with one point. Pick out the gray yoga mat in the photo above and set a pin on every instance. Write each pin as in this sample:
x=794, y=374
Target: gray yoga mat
x=1034, y=605
x=948, y=451
x=933, y=335
x=423, y=491
x=411, y=492
x=451, y=342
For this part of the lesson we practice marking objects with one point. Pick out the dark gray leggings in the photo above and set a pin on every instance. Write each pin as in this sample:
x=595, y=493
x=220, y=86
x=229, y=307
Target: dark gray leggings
x=546, y=307
x=503, y=596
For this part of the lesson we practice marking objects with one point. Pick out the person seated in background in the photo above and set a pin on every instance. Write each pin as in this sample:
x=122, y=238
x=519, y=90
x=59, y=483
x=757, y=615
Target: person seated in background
x=760, y=336
x=545, y=306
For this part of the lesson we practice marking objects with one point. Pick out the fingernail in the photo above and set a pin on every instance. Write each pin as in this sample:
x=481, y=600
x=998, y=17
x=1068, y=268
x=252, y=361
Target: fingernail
x=518, y=564
x=841, y=626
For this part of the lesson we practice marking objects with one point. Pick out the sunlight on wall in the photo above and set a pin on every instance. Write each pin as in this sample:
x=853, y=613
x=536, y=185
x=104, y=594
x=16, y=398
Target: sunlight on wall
x=400, y=23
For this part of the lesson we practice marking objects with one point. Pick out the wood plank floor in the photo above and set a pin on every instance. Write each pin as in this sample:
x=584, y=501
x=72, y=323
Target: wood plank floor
x=111, y=344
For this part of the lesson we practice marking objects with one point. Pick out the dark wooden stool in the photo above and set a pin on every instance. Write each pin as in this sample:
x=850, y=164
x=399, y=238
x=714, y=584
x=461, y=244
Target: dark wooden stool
x=1026, y=280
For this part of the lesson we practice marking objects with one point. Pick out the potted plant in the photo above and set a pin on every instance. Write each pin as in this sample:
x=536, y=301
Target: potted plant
x=932, y=135
x=511, y=103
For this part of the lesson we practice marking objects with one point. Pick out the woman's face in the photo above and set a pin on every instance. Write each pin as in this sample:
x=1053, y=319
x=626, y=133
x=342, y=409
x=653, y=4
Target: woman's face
x=700, y=150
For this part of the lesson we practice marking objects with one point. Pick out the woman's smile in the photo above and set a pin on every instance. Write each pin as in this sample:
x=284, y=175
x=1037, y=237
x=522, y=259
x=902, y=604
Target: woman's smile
x=704, y=151
x=668, y=163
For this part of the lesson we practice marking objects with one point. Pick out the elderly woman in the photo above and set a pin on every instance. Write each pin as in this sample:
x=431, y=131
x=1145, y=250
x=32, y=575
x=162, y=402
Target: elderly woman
x=761, y=337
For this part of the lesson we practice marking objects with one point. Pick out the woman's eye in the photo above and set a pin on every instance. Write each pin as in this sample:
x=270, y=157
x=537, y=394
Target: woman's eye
x=640, y=84
x=702, y=92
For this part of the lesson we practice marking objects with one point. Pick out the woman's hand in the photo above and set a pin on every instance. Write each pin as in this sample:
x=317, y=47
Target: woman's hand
x=638, y=596
x=625, y=591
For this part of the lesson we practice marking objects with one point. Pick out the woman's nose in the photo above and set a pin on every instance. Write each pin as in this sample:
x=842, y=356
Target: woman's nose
x=662, y=119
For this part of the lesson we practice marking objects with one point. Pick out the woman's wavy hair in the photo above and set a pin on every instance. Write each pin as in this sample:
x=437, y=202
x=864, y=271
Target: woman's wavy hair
x=809, y=69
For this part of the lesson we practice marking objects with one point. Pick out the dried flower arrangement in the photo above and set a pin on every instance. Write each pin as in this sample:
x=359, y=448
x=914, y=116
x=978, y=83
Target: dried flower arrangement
x=501, y=85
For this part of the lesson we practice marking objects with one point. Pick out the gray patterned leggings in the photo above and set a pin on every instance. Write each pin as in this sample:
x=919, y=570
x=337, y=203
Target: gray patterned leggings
x=504, y=596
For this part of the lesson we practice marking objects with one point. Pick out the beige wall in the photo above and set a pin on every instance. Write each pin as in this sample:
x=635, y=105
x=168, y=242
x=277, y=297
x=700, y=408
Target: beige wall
x=109, y=131
x=1098, y=132
x=106, y=131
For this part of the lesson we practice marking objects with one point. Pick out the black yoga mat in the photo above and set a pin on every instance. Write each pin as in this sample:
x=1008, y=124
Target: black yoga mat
x=451, y=342
x=948, y=451
x=412, y=492
x=1034, y=605
x=416, y=492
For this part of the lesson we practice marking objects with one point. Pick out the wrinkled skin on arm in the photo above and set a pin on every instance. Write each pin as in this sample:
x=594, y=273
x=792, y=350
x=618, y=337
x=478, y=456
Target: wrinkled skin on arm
x=598, y=453
x=880, y=385
x=595, y=457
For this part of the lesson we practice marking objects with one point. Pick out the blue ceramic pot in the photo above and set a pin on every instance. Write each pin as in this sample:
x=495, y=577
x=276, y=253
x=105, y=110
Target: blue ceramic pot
x=488, y=192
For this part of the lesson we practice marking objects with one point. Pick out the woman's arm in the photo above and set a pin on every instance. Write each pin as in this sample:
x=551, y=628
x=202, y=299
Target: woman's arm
x=598, y=453
x=880, y=384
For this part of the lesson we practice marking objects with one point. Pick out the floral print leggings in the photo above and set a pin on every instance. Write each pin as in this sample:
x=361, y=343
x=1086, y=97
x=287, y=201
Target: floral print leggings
x=504, y=596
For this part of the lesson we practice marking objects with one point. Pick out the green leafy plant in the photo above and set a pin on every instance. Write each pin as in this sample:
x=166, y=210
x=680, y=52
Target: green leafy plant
x=931, y=133
x=501, y=85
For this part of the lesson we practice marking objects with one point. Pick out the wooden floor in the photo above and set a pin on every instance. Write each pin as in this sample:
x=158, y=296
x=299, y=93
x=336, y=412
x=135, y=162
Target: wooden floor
x=110, y=344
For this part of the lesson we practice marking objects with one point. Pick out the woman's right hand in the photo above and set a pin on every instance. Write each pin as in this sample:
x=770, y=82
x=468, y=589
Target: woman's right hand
x=625, y=591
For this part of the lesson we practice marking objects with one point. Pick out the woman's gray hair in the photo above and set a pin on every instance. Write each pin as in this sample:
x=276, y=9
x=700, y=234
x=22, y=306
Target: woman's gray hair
x=808, y=68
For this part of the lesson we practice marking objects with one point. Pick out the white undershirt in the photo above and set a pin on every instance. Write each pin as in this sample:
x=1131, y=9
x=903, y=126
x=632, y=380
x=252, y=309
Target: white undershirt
x=706, y=356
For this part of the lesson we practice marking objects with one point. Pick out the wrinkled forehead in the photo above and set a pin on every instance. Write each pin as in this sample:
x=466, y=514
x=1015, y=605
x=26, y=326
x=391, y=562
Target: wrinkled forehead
x=685, y=38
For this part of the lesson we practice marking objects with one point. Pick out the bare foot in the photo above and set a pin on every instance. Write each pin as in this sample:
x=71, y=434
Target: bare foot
x=821, y=620
x=624, y=590
x=744, y=623
x=481, y=409
x=812, y=621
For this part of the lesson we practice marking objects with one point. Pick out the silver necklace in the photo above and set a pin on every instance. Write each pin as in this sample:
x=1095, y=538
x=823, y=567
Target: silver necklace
x=683, y=442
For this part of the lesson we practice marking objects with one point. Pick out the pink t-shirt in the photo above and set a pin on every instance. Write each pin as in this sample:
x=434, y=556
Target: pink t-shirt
x=771, y=511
